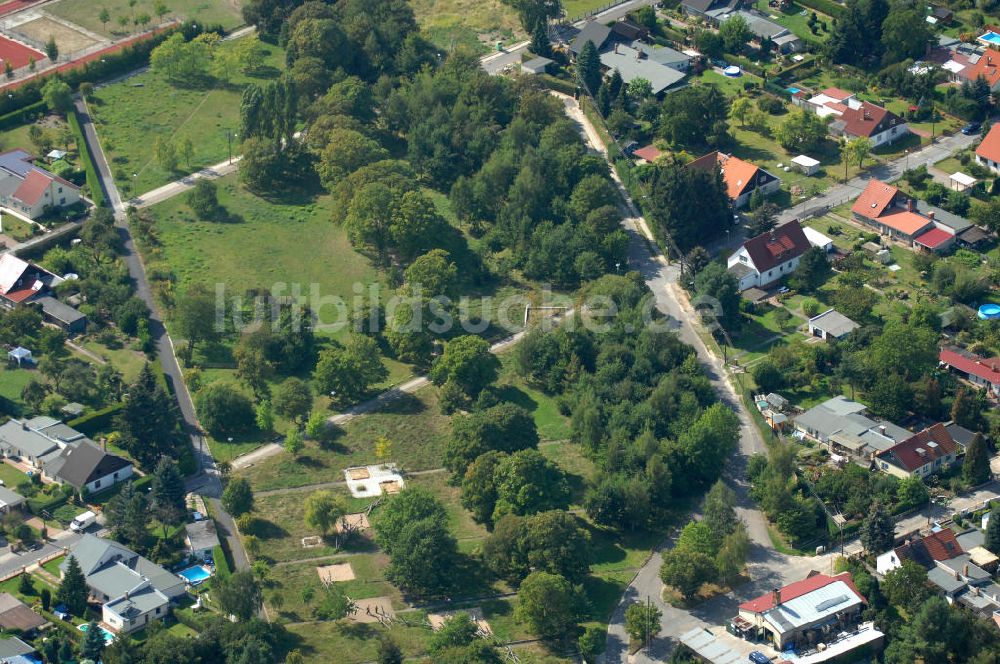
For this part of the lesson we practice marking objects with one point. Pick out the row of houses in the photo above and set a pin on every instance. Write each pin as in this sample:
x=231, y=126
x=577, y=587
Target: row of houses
x=63, y=454
x=763, y=29
x=846, y=429
x=958, y=566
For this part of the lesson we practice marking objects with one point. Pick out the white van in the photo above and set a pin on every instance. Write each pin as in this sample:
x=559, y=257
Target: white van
x=83, y=521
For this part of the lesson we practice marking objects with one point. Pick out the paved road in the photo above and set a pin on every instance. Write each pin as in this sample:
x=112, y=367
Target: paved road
x=187, y=182
x=887, y=172
x=766, y=567
x=12, y=562
x=207, y=483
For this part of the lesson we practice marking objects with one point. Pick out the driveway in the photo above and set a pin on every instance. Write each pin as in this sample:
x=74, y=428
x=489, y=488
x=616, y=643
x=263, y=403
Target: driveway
x=13, y=562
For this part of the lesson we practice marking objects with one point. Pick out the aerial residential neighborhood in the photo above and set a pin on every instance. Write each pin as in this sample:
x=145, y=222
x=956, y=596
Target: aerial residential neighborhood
x=529, y=331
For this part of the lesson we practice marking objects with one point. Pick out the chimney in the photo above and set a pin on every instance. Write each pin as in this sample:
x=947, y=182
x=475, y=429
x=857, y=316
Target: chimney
x=956, y=575
x=776, y=597
x=965, y=570
x=616, y=48
x=24, y=426
x=909, y=205
x=930, y=215
x=881, y=429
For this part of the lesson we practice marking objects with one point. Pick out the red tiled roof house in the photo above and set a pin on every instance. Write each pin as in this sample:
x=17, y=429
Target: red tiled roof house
x=791, y=617
x=861, y=119
x=988, y=151
x=920, y=455
x=765, y=259
x=891, y=213
x=925, y=551
x=979, y=371
x=741, y=177
x=31, y=190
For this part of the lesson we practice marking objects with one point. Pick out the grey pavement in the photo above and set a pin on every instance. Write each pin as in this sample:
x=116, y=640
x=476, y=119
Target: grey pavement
x=187, y=182
x=888, y=171
x=765, y=566
x=208, y=483
x=12, y=562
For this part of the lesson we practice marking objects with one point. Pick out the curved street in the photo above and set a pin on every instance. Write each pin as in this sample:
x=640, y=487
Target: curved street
x=207, y=483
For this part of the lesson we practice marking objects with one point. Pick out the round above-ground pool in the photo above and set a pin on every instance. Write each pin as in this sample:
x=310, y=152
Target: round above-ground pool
x=732, y=71
x=989, y=311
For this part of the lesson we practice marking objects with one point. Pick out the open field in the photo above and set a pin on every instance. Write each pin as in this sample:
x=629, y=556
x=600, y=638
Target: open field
x=472, y=23
x=413, y=423
x=262, y=247
x=86, y=13
x=69, y=40
x=130, y=115
x=291, y=580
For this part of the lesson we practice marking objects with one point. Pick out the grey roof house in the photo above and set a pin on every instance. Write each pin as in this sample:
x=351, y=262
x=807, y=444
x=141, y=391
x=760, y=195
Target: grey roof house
x=132, y=589
x=664, y=55
x=16, y=651
x=592, y=31
x=87, y=468
x=18, y=439
x=633, y=64
x=71, y=320
x=831, y=324
x=201, y=537
x=10, y=500
x=842, y=425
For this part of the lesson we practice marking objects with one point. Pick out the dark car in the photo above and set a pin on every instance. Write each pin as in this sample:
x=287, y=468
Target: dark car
x=757, y=657
x=972, y=128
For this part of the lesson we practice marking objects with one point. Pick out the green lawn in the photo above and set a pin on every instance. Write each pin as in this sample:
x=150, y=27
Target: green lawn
x=730, y=86
x=289, y=581
x=797, y=23
x=126, y=360
x=470, y=23
x=577, y=8
x=262, y=248
x=85, y=13
x=552, y=425
x=12, y=381
x=11, y=476
x=413, y=423
x=132, y=114
x=355, y=643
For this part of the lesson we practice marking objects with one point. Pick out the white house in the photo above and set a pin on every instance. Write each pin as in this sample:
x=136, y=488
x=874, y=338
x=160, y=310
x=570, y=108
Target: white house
x=133, y=590
x=768, y=257
x=32, y=190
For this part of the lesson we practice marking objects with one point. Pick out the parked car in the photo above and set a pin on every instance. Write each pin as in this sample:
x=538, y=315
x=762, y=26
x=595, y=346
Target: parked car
x=972, y=128
x=757, y=657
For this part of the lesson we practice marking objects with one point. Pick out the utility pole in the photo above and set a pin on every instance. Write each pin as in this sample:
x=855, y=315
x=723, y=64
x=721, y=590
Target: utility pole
x=229, y=139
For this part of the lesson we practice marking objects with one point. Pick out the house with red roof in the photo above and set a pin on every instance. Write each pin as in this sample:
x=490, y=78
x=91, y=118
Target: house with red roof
x=31, y=190
x=988, y=67
x=882, y=207
x=921, y=455
x=862, y=119
x=925, y=551
x=979, y=371
x=765, y=259
x=804, y=613
x=741, y=177
x=988, y=150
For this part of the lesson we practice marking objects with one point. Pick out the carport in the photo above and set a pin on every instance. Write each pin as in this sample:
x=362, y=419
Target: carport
x=707, y=646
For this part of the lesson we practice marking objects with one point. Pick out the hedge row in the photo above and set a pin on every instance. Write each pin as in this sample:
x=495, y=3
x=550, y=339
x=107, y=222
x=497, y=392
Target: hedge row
x=97, y=421
x=89, y=167
x=827, y=7
x=23, y=115
x=222, y=569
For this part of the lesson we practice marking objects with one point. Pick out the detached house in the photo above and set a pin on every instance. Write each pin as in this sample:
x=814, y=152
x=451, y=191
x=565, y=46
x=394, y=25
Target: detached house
x=23, y=283
x=770, y=256
x=987, y=67
x=816, y=619
x=979, y=371
x=920, y=455
x=133, y=590
x=988, y=151
x=882, y=207
x=31, y=190
x=938, y=546
x=861, y=119
x=741, y=177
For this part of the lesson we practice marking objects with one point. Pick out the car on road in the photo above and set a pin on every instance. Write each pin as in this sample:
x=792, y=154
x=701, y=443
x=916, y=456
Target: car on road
x=757, y=657
x=972, y=128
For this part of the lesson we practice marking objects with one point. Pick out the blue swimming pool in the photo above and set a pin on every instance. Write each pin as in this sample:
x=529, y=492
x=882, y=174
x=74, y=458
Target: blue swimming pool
x=990, y=38
x=108, y=636
x=793, y=90
x=195, y=575
x=989, y=311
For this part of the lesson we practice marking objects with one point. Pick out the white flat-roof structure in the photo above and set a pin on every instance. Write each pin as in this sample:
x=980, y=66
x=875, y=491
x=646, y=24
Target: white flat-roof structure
x=817, y=239
x=708, y=647
x=372, y=481
x=960, y=181
x=805, y=164
x=844, y=643
x=831, y=324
